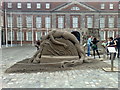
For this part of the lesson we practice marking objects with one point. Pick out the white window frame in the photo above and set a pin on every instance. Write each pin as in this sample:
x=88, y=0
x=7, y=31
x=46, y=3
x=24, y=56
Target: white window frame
x=38, y=38
x=118, y=22
x=27, y=36
x=116, y=32
x=48, y=24
x=102, y=22
x=102, y=6
x=38, y=5
x=9, y=18
x=91, y=22
x=60, y=21
x=38, y=22
x=111, y=24
x=19, y=36
x=29, y=21
x=9, y=5
x=29, y=5
x=119, y=6
x=47, y=5
x=19, y=5
x=45, y=33
x=111, y=6
x=104, y=33
x=9, y=36
x=112, y=33
x=19, y=21
x=75, y=22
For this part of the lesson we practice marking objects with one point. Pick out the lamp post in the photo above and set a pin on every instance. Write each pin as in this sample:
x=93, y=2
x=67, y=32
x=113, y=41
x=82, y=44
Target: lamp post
x=6, y=31
x=11, y=28
x=21, y=28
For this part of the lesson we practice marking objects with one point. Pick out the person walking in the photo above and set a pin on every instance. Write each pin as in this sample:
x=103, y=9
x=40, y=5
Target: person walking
x=118, y=45
x=95, y=47
x=89, y=45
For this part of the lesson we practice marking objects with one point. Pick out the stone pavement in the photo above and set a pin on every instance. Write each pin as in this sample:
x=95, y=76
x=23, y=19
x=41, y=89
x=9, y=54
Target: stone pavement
x=96, y=78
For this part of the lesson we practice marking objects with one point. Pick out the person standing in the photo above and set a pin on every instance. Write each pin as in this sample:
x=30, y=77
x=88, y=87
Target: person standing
x=89, y=45
x=37, y=44
x=118, y=45
x=95, y=47
x=111, y=43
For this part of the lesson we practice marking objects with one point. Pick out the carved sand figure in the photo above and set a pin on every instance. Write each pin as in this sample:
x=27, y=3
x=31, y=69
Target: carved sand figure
x=52, y=35
x=59, y=50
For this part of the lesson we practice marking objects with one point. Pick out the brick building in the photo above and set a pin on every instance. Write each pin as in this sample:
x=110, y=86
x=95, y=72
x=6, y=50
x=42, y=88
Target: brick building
x=26, y=21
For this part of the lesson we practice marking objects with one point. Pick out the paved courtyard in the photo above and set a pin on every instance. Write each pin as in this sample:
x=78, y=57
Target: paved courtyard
x=92, y=78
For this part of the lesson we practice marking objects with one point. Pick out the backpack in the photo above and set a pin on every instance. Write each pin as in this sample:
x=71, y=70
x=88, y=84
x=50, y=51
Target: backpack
x=94, y=46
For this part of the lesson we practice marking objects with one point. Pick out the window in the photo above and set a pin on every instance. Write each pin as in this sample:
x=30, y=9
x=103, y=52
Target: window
x=38, y=22
x=29, y=21
x=118, y=22
x=47, y=5
x=75, y=8
x=38, y=5
x=29, y=36
x=75, y=22
x=111, y=22
x=102, y=22
x=47, y=22
x=9, y=35
x=89, y=22
x=102, y=35
x=61, y=22
x=110, y=33
x=10, y=22
x=19, y=36
x=19, y=5
x=102, y=6
x=28, y=5
x=19, y=21
x=119, y=6
x=116, y=32
x=1, y=18
x=45, y=33
x=38, y=35
x=9, y=5
x=111, y=6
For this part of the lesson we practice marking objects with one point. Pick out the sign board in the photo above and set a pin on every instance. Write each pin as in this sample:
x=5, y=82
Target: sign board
x=112, y=49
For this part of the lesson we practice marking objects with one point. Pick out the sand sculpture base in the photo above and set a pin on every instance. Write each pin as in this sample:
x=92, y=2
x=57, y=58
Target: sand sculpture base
x=25, y=67
x=58, y=51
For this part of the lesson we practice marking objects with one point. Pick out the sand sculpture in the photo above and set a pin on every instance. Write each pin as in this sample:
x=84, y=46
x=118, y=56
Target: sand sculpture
x=59, y=50
x=59, y=43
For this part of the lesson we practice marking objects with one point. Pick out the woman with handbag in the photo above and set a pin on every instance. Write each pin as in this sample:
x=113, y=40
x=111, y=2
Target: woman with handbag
x=95, y=47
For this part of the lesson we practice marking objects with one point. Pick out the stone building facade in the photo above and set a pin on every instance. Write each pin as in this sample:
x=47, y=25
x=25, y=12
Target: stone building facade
x=26, y=22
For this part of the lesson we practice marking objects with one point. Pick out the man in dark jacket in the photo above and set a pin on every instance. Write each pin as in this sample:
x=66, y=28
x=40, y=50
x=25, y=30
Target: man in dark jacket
x=118, y=45
x=37, y=44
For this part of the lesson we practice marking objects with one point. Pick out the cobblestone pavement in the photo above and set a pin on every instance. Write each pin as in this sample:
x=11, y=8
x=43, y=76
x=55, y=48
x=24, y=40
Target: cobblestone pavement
x=96, y=78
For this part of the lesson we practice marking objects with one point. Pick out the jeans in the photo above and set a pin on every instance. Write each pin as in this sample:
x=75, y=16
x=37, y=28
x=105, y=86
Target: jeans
x=118, y=49
x=88, y=50
x=97, y=53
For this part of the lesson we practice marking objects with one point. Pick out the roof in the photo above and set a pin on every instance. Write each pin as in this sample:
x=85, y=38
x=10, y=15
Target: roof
x=60, y=0
x=64, y=6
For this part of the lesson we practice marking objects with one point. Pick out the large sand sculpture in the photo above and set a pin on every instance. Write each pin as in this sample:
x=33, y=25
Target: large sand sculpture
x=58, y=49
x=58, y=43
